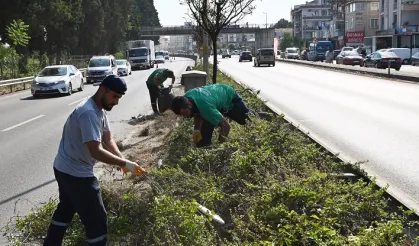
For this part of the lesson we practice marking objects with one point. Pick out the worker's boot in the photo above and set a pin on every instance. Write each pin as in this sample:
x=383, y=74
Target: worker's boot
x=155, y=110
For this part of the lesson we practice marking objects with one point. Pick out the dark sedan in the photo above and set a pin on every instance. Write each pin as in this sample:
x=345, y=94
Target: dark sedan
x=245, y=56
x=415, y=59
x=382, y=60
x=349, y=58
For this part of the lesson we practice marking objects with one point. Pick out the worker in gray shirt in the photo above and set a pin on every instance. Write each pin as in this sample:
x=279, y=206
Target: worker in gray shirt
x=87, y=139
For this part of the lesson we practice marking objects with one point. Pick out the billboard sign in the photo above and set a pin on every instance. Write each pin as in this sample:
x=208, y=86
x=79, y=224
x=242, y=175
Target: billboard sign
x=355, y=38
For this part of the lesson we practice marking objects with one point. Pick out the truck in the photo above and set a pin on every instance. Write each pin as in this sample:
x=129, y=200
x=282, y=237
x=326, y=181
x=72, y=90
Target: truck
x=141, y=54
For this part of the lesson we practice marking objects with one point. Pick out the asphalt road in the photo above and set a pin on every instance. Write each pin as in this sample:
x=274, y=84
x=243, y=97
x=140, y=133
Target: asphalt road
x=30, y=131
x=362, y=118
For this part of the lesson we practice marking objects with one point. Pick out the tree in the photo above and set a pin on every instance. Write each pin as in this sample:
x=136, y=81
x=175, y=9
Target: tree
x=286, y=42
x=17, y=32
x=213, y=15
x=283, y=23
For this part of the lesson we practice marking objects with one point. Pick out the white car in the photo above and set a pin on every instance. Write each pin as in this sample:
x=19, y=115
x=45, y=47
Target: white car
x=60, y=79
x=160, y=59
x=124, y=67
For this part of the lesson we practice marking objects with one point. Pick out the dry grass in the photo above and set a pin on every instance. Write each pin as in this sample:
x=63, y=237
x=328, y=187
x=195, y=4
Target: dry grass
x=10, y=89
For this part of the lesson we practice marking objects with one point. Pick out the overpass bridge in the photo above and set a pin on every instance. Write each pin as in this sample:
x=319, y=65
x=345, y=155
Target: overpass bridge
x=264, y=34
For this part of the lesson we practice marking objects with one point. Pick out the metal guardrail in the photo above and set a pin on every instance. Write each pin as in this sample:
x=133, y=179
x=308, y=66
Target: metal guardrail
x=24, y=81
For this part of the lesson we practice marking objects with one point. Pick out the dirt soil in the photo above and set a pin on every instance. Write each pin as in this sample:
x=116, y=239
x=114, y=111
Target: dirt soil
x=145, y=144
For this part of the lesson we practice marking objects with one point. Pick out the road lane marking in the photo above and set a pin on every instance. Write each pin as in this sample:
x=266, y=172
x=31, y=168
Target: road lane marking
x=22, y=123
x=76, y=101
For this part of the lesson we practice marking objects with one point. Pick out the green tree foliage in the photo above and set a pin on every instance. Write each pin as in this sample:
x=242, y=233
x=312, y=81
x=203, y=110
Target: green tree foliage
x=288, y=41
x=17, y=31
x=71, y=27
x=283, y=23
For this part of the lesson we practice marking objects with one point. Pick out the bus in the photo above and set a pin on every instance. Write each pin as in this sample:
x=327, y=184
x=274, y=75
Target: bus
x=317, y=50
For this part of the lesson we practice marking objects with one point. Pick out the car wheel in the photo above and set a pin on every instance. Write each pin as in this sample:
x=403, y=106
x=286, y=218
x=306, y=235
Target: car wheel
x=240, y=60
x=406, y=61
x=35, y=96
x=130, y=72
x=69, y=90
x=81, y=85
x=273, y=64
x=376, y=66
x=397, y=69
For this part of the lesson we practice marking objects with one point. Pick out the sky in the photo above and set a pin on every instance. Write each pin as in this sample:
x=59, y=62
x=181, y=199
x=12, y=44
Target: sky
x=171, y=13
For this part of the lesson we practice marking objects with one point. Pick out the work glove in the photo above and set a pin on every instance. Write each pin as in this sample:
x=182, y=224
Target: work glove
x=134, y=168
x=196, y=136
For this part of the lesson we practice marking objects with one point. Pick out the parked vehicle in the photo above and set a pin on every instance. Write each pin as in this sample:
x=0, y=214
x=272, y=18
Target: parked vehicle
x=245, y=56
x=415, y=59
x=264, y=56
x=317, y=51
x=99, y=67
x=141, y=54
x=292, y=53
x=347, y=49
x=124, y=67
x=382, y=59
x=60, y=79
x=336, y=53
x=403, y=53
x=350, y=58
x=329, y=56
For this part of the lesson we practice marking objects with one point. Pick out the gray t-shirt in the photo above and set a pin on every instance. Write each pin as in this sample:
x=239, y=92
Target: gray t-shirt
x=86, y=123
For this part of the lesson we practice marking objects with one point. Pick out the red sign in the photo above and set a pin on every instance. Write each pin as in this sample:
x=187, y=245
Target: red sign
x=355, y=37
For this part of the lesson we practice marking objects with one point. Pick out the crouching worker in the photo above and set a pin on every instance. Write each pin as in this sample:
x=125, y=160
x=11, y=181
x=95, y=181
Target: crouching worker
x=87, y=138
x=208, y=105
x=156, y=80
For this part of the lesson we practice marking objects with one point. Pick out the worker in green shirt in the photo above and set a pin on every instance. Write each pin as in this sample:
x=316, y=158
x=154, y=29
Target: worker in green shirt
x=208, y=105
x=155, y=81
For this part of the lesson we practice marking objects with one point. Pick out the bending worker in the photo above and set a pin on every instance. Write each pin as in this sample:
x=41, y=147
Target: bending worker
x=156, y=80
x=208, y=105
x=87, y=138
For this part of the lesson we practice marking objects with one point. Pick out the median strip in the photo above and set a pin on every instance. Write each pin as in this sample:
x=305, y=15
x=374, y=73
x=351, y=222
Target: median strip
x=22, y=123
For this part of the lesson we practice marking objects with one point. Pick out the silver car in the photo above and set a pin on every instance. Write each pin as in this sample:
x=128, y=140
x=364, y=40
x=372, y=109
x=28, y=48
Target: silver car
x=124, y=67
x=60, y=79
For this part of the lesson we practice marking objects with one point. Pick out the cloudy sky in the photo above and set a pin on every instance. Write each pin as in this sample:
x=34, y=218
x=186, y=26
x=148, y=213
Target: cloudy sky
x=171, y=13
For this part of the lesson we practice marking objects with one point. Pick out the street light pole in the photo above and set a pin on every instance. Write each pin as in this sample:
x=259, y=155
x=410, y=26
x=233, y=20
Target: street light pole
x=266, y=20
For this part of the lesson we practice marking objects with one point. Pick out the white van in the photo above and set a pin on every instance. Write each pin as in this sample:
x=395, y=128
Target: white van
x=402, y=53
x=292, y=53
x=99, y=67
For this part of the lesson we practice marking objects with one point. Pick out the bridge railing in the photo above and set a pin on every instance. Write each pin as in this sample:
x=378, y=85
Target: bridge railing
x=236, y=26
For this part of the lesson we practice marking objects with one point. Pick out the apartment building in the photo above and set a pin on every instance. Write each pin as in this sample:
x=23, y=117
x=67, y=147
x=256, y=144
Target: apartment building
x=312, y=20
x=398, y=24
x=361, y=22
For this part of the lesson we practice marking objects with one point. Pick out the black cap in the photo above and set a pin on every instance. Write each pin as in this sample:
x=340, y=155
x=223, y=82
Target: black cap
x=114, y=83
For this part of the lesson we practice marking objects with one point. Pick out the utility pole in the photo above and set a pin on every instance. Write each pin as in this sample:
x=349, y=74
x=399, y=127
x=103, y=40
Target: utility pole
x=266, y=20
x=205, y=42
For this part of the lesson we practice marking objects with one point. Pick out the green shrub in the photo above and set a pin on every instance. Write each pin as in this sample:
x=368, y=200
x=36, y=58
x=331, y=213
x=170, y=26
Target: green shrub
x=270, y=184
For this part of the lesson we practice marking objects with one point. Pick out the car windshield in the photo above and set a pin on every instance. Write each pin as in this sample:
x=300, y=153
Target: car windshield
x=351, y=53
x=416, y=55
x=159, y=57
x=292, y=51
x=246, y=53
x=120, y=62
x=267, y=52
x=388, y=55
x=138, y=52
x=159, y=54
x=100, y=63
x=322, y=47
x=53, y=71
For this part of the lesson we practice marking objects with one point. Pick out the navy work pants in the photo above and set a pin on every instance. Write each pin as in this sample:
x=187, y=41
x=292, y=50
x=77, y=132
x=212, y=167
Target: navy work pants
x=81, y=196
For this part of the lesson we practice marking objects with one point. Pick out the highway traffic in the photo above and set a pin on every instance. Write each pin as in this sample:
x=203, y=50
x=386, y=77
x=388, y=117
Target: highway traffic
x=30, y=131
x=362, y=118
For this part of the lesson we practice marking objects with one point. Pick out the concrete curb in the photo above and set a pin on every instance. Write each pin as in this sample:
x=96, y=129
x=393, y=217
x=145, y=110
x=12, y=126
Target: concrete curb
x=356, y=70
